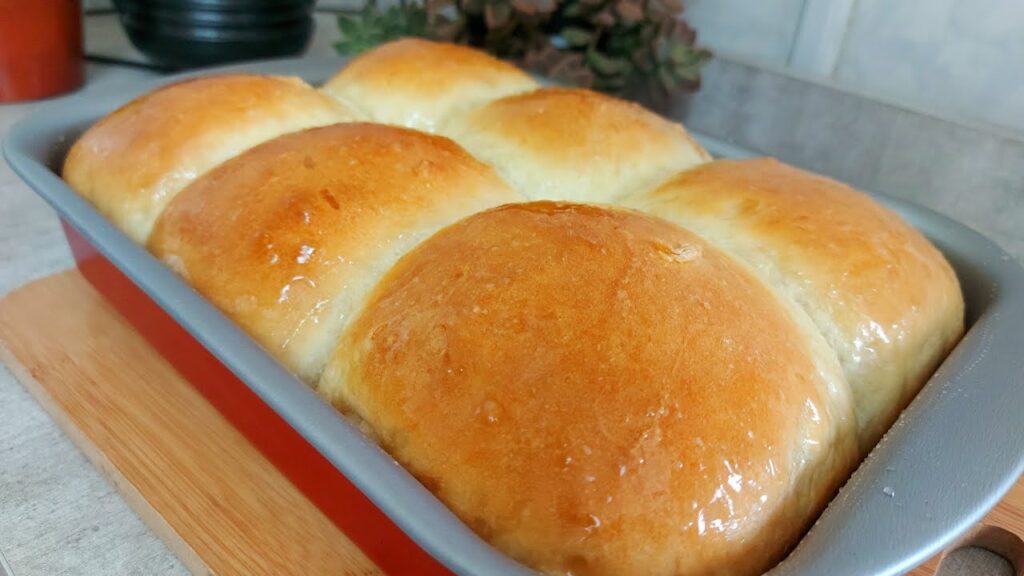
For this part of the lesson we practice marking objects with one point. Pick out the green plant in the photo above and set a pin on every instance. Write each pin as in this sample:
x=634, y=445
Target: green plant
x=615, y=46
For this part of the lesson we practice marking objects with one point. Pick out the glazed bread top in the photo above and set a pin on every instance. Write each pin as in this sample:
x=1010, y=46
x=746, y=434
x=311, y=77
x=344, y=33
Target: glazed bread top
x=419, y=84
x=599, y=392
x=570, y=144
x=288, y=237
x=134, y=161
x=605, y=352
x=883, y=296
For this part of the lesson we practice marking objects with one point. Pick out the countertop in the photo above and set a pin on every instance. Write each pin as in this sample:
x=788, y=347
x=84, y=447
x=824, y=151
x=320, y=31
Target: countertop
x=57, y=514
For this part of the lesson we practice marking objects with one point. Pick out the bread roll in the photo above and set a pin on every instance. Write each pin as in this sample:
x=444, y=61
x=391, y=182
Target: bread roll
x=288, y=237
x=883, y=296
x=568, y=144
x=674, y=390
x=597, y=391
x=131, y=163
x=418, y=83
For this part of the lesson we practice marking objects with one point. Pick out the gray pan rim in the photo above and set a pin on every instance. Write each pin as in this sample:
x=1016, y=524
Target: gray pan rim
x=953, y=454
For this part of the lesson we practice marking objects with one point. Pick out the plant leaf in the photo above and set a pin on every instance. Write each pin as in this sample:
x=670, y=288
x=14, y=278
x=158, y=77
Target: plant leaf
x=682, y=53
x=576, y=36
x=624, y=46
x=606, y=66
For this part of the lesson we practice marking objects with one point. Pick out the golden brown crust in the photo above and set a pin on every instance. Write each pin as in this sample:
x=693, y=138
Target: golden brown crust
x=133, y=161
x=288, y=237
x=418, y=84
x=576, y=145
x=598, y=391
x=593, y=390
x=883, y=296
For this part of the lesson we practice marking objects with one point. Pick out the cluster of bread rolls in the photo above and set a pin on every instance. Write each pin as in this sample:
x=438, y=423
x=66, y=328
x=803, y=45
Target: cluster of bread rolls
x=606, y=352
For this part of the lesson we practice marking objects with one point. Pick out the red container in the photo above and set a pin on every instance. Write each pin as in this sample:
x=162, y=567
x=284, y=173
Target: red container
x=351, y=511
x=40, y=48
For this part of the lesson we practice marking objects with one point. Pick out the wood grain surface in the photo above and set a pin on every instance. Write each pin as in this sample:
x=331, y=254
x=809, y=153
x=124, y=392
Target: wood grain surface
x=197, y=482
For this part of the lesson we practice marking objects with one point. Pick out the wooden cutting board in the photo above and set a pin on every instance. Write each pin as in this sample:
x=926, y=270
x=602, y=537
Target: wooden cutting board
x=197, y=482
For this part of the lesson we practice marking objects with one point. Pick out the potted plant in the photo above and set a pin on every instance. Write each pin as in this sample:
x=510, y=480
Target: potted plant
x=641, y=49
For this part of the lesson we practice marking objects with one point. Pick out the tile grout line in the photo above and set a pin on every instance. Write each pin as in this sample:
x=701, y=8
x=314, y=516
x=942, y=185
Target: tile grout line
x=819, y=36
x=5, y=567
x=796, y=32
x=841, y=51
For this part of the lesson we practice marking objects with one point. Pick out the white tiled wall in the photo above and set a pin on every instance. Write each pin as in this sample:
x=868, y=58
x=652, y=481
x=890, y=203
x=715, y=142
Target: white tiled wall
x=760, y=31
x=962, y=59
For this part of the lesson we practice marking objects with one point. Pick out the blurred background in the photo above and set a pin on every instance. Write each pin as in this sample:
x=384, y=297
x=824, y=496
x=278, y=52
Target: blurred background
x=961, y=59
x=922, y=99
x=957, y=58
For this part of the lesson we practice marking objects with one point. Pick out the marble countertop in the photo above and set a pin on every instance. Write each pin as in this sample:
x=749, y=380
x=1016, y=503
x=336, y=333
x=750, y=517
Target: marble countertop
x=58, y=515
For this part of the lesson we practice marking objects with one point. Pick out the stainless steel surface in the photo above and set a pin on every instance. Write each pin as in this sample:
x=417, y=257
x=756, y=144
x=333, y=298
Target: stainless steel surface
x=952, y=455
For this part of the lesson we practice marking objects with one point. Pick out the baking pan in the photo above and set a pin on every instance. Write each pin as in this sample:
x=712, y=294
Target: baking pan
x=949, y=459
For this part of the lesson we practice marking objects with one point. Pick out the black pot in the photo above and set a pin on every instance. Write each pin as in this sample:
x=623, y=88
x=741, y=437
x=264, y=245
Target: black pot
x=194, y=33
